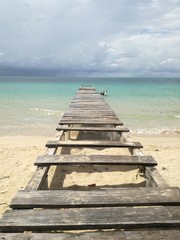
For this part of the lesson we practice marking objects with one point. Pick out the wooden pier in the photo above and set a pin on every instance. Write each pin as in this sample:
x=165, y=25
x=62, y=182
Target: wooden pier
x=127, y=213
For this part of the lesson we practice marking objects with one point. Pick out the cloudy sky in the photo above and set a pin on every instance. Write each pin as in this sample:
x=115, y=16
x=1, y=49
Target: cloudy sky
x=91, y=37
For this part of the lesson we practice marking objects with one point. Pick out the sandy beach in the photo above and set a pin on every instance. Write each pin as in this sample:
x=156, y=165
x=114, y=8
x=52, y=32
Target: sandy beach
x=18, y=154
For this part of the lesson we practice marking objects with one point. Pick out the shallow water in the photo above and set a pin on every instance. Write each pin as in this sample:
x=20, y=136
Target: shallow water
x=34, y=105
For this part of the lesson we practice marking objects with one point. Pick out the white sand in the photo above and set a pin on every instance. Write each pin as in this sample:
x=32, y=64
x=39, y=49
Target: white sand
x=18, y=154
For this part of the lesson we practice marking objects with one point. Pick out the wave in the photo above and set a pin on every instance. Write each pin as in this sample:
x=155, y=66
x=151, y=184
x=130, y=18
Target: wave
x=47, y=111
x=155, y=131
x=177, y=116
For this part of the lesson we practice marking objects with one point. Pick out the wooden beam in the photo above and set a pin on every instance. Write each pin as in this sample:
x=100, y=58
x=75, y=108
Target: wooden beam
x=78, y=143
x=154, y=178
x=165, y=234
x=124, y=197
x=98, y=129
x=91, y=121
x=66, y=159
x=38, y=179
x=91, y=218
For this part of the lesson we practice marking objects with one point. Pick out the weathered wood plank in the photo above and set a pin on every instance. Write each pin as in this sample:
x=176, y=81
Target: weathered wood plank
x=84, y=117
x=90, y=115
x=89, y=98
x=59, y=136
x=101, y=105
x=99, y=198
x=91, y=118
x=91, y=121
x=87, y=89
x=93, y=144
x=91, y=101
x=88, y=111
x=154, y=178
x=38, y=179
x=106, y=235
x=91, y=104
x=65, y=159
x=91, y=218
x=86, y=100
x=95, y=110
x=98, y=129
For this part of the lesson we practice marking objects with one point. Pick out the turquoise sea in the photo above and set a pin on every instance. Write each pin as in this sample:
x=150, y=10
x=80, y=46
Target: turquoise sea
x=34, y=105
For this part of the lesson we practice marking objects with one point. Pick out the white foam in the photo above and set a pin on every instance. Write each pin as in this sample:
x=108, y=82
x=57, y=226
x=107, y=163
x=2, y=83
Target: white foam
x=47, y=111
x=155, y=131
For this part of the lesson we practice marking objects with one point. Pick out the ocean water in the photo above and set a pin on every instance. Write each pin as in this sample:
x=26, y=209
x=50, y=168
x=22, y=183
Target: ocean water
x=34, y=105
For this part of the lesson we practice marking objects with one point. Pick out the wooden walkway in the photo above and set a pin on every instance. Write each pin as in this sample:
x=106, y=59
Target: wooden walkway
x=127, y=213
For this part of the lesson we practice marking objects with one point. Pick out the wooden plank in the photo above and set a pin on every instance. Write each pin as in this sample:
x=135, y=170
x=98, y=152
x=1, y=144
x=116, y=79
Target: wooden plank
x=93, y=144
x=38, y=179
x=100, y=111
x=106, y=235
x=95, y=105
x=154, y=178
x=87, y=116
x=86, y=86
x=88, y=111
x=86, y=95
x=91, y=218
x=90, y=118
x=86, y=91
x=97, y=198
x=90, y=121
x=16, y=236
x=84, y=116
x=85, y=102
x=65, y=159
x=92, y=115
x=98, y=129
x=90, y=101
x=88, y=98
x=89, y=107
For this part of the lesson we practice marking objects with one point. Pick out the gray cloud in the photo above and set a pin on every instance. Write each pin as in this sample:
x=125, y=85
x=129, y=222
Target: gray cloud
x=121, y=37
